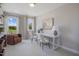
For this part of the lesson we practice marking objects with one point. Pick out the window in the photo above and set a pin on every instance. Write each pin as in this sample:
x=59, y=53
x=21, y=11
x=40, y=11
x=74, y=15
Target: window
x=12, y=21
x=12, y=25
x=30, y=24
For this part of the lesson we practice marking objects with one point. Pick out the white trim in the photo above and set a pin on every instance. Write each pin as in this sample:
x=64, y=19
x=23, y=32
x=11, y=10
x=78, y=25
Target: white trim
x=68, y=49
x=71, y=50
x=17, y=20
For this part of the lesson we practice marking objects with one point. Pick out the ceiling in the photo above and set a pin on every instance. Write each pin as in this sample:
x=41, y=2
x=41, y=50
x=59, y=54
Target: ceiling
x=25, y=9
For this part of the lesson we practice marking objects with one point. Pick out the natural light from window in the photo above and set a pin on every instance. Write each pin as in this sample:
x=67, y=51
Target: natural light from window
x=12, y=25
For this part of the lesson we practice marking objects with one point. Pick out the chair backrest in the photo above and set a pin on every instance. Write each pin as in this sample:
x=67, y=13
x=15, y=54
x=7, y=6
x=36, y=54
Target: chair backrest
x=55, y=31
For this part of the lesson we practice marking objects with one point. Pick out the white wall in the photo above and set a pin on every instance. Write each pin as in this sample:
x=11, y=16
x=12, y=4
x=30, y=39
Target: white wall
x=38, y=23
x=23, y=29
x=23, y=26
x=67, y=17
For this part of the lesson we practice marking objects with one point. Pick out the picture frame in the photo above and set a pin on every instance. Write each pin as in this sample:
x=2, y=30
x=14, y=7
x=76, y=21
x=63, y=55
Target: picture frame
x=48, y=23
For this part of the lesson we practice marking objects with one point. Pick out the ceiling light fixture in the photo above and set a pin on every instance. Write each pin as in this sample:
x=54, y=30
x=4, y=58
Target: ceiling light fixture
x=32, y=5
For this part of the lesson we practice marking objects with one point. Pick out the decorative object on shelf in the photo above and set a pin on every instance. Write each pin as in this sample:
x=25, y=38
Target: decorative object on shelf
x=48, y=23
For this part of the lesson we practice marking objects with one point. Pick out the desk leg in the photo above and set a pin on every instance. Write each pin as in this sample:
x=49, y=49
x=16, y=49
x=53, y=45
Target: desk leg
x=56, y=43
x=53, y=43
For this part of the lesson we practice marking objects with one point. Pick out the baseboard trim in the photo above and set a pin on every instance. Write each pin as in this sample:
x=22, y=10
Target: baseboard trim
x=69, y=49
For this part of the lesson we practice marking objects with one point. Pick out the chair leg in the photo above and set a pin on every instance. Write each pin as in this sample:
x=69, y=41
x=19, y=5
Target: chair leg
x=41, y=45
x=49, y=45
x=32, y=39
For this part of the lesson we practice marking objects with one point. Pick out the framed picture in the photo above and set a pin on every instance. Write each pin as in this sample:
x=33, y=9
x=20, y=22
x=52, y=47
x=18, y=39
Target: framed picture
x=1, y=20
x=48, y=23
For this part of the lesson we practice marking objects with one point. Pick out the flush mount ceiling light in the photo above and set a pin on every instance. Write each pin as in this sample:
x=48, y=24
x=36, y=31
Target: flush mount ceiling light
x=32, y=4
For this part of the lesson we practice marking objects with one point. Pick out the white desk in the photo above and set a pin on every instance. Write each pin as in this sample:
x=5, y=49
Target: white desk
x=50, y=35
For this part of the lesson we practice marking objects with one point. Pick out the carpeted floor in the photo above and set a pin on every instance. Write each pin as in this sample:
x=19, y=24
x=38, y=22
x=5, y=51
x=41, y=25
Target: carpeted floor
x=29, y=48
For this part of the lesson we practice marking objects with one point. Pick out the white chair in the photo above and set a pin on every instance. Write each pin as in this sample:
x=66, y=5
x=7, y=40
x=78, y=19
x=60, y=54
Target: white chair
x=33, y=36
x=56, y=37
x=38, y=37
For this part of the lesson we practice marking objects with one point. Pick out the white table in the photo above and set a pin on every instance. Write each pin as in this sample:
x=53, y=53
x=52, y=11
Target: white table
x=50, y=35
